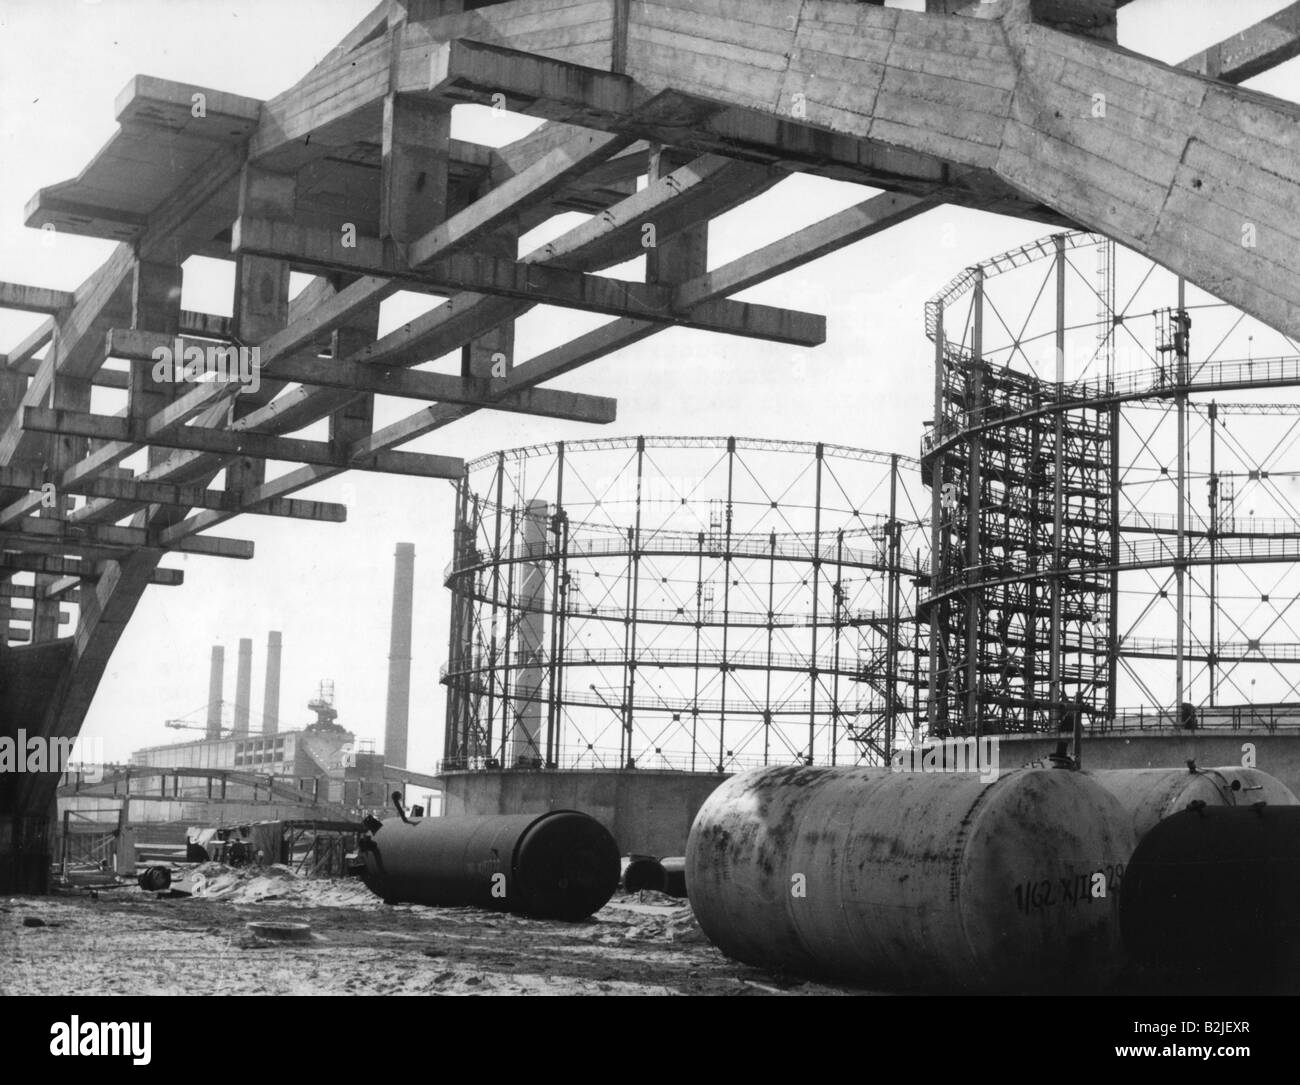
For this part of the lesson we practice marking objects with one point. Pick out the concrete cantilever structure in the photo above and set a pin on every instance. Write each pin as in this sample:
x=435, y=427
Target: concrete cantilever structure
x=713, y=101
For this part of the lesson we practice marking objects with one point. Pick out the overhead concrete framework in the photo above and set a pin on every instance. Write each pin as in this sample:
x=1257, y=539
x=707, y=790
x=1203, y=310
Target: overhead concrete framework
x=1025, y=107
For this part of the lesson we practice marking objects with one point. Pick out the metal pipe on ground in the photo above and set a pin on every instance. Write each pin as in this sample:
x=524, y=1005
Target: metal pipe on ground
x=562, y=864
x=914, y=880
x=1151, y=795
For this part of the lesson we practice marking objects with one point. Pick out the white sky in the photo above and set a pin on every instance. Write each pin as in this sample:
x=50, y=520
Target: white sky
x=327, y=587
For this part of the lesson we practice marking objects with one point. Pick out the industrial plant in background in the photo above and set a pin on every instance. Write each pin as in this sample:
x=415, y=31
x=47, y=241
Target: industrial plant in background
x=245, y=769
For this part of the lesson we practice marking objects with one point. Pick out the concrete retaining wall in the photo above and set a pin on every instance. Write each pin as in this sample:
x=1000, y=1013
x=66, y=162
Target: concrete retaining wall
x=648, y=812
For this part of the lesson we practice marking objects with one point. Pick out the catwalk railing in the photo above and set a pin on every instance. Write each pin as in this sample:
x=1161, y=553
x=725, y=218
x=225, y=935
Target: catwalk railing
x=1145, y=554
x=681, y=657
x=656, y=703
x=1258, y=717
x=742, y=546
x=1135, y=384
x=592, y=757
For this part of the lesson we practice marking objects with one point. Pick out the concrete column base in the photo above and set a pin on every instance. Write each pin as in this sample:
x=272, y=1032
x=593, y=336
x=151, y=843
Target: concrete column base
x=26, y=854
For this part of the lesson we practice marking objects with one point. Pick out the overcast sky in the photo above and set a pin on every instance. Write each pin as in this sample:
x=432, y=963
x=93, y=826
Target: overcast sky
x=327, y=587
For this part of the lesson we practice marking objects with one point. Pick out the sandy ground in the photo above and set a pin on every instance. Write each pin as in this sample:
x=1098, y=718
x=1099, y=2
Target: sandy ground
x=127, y=941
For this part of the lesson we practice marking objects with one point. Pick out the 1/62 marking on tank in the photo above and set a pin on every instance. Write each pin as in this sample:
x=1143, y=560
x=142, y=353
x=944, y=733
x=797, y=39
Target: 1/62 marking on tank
x=1035, y=895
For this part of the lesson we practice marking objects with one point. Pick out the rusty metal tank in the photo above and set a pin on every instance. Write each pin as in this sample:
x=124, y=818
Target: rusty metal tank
x=1210, y=895
x=1151, y=795
x=562, y=864
x=674, y=867
x=914, y=880
x=642, y=872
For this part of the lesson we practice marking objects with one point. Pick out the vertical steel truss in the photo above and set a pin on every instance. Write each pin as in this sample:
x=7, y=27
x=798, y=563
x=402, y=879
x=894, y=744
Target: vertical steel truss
x=1086, y=498
x=709, y=604
x=995, y=636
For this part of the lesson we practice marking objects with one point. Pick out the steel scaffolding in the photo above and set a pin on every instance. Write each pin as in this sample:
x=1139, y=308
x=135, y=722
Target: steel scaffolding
x=1075, y=566
x=701, y=604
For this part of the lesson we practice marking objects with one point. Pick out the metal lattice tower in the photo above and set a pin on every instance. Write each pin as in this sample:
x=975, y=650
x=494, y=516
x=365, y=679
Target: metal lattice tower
x=1087, y=495
x=687, y=603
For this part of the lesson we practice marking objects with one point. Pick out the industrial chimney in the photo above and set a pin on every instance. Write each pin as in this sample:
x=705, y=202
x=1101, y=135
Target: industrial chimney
x=271, y=699
x=399, y=657
x=216, y=687
x=526, y=732
x=243, y=686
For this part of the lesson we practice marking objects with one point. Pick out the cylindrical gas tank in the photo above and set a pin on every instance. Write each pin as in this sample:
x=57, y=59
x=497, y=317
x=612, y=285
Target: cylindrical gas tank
x=906, y=880
x=643, y=872
x=1151, y=795
x=1211, y=893
x=559, y=865
x=674, y=875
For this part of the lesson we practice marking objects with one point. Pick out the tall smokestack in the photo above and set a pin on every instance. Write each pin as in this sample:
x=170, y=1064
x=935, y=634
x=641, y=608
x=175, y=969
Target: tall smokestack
x=243, y=686
x=216, y=687
x=271, y=700
x=526, y=731
x=399, y=657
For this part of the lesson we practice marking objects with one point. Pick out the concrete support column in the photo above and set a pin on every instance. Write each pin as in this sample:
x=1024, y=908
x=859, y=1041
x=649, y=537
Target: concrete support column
x=155, y=307
x=261, y=304
x=29, y=678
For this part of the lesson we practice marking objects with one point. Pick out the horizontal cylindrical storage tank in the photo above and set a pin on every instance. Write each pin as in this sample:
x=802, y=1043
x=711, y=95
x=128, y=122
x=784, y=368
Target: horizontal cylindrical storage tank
x=1211, y=893
x=907, y=880
x=674, y=875
x=558, y=865
x=1151, y=795
x=643, y=872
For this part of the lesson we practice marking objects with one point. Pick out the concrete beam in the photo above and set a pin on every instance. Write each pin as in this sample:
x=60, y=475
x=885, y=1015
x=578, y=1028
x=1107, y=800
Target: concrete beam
x=238, y=442
x=535, y=283
x=139, y=491
x=21, y=357
x=841, y=229
x=707, y=186
x=109, y=536
x=14, y=562
x=837, y=231
x=368, y=291
x=1270, y=42
x=530, y=185
x=173, y=229
x=34, y=299
x=1167, y=170
x=804, y=245
x=21, y=613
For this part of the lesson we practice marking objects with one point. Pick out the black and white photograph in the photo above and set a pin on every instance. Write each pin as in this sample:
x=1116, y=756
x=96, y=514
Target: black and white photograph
x=781, y=499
